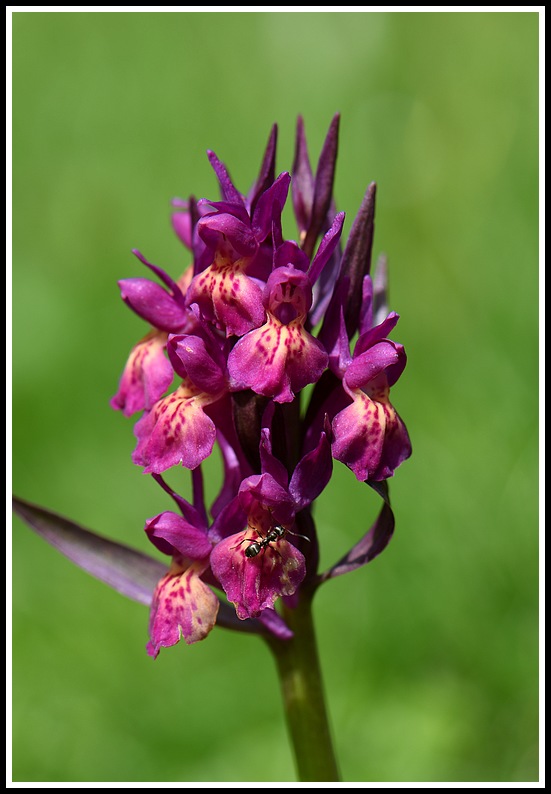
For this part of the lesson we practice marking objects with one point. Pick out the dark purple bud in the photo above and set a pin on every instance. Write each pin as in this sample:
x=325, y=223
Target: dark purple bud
x=274, y=197
x=229, y=191
x=267, y=171
x=356, y=259
x=323, y=186
x=326, y=248
x=303, y=181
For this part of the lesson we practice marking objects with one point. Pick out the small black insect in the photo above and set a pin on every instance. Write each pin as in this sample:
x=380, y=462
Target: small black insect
x=276, y=533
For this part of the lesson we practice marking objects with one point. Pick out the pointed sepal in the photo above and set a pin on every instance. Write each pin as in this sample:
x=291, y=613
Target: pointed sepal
x=126, y=570
x=372, y=543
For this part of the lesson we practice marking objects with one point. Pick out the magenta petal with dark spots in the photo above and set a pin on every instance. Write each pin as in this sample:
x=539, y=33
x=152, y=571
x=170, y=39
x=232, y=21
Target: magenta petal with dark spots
x=278, y=359
x=227, y=297
x=253, y=584
x=146, y=375
x=175, y=431
x=369, y=436
x=183, y=606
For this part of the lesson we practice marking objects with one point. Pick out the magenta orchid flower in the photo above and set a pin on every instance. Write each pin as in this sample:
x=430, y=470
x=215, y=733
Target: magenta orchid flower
x=236, y=334
x=228, y=290
x=148, y=374
x=183, y=604
x=369, y=436
x=230, y=349
x=281, y=357
x=178, y=429
x=252, y=570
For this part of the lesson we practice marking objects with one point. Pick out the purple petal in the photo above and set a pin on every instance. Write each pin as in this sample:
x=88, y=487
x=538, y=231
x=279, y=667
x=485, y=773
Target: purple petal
x=206, y=207
x=253, y=584
x=275, y=624
x=183, y=606
x=153, y=303
x=130, y=572
x=397, y=447
x=324, y=287
x=146, y=376
x=312, y=474
x=323, y=186
x=267, y=170
x=372, y=543
x=171, y=533
x=281, y=357
x=376, y=334
x=288, y=294
x=269, y=463
x=356, y=259
x=380, y=290
x=229, y=191
x=276, y=360
x=205, y=367
x=263, y=214
x=288, y=253
x=215, y=228
x=228, y=297
x=263, y=493
x=326, y=248
x=373, y=362
x=175, y=431
x=163, y=275
x=182, y=225
x=370, y=438
x=277, y=235
x=359, y=434
x=303, y=181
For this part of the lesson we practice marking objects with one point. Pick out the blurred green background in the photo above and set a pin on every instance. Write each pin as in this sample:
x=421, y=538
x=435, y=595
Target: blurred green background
x=430, y=654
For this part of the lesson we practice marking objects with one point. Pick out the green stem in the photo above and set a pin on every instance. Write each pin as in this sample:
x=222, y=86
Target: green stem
x=303, y=697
